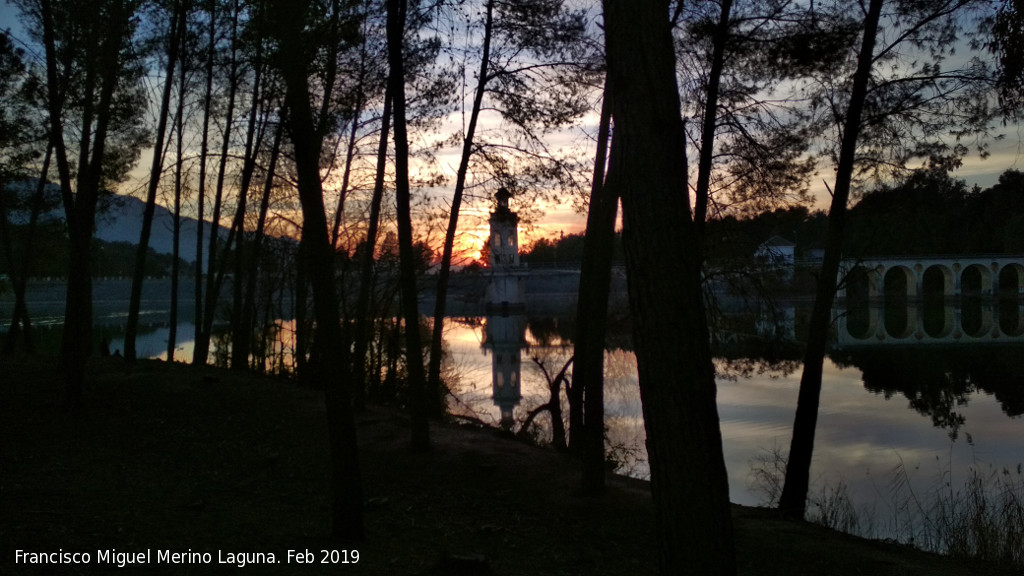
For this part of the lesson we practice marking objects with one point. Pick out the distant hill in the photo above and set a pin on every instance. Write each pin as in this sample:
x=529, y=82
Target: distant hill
x=120, y=220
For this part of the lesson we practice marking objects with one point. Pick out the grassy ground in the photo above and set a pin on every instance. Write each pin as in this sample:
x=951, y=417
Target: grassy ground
x=170, y=458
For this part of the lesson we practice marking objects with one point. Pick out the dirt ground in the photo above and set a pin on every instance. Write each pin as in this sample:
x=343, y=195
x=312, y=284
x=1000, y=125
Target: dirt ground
x=230, y=468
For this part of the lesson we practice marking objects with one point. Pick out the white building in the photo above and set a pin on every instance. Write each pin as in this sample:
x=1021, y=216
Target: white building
x=777, y=254
x=776, y=250
x=506, y=288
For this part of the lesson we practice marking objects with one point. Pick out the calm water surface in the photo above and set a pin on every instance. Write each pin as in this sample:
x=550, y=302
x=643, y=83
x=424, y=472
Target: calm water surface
x=866, y=432
x=863, y=437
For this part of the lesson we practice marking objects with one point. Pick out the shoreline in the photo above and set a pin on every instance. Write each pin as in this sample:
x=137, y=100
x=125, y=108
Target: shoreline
x=169, y=457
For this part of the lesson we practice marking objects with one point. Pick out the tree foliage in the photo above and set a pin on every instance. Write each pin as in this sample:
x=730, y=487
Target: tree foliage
x=1007, y=44
x=932, y=213
x=22, y=124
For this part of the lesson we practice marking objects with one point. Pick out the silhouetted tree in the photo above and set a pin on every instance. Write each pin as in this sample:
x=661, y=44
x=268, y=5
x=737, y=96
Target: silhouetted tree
x=743, y=124
x=554, y=404
x=94, y=96
x=995, y=216
x=244, y=330
x=202, y=342
x=21, y=125
x=204, y=329
x=21, y=323
x=677, y=378
x=924, y=214
x=179, y=188
x=587, y=422
x=366, y=277
x=296, y=50
x=173, y=44
x=417, y=401
x=258, y=125
x=886, y=110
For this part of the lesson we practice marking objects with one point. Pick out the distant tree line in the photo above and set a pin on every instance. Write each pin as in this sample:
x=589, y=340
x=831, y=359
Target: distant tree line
x=931, y=213
x=113, y=259
x=567, y=249
x=928, y=213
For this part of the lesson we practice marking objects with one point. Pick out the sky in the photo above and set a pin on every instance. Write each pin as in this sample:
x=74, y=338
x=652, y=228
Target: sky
x=562, y=218
x=8, y=15
x=1007, y=154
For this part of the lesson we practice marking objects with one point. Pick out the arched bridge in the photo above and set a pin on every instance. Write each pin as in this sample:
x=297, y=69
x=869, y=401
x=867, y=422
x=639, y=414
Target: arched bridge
x=931, y=300
x=913, y=278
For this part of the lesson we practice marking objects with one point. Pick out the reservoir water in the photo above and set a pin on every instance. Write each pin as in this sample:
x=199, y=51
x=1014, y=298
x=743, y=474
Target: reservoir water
x=898, y=420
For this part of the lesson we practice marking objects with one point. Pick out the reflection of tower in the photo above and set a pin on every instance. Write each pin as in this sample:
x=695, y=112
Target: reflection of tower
x=505, y=337
x=505, y=290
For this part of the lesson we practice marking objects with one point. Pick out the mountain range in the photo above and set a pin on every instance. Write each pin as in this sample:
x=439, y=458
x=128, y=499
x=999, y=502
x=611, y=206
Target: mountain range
x=119, y=219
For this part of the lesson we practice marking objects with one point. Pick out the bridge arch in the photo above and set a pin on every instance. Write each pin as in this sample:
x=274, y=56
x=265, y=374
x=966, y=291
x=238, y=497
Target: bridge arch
x=1010, y=283
x=860, y=283
x=976, y=280
x=937, y=314
x=1011, y=318
x=939, y=298
x=860, y=289
x=992, y=275
x=900, y=286
x=937, y=281
x=899, y=282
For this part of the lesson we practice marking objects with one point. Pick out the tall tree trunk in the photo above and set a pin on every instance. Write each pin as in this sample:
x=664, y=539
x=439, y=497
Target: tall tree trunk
x=243, y=333
x=16, y=279
x=793, y=500
x=78, y=318
x=587, y=431
x=77, y=338
x=441, y=293
x=239, y=341
x=303, y=354
x=420, y=430
x=364, y=321
x=350, y=153
x=707, y=135
x=204, y=149
x=172, y=333
x=156, y=168
x=330, y=74
x=345, y=175
x=202, y=343
x=21, y=323
x=332, y=367
x=677, y=379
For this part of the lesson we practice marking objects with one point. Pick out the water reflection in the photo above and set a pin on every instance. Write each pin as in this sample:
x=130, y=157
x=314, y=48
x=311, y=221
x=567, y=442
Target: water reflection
x=865, y=432
x=273, y=343
x=954, y=392
x=505, y=339
x=896, y=319
x=939, y=381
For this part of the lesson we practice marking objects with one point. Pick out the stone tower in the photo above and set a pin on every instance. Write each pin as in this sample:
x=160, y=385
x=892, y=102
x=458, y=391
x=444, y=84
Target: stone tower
x=506, y=288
